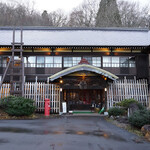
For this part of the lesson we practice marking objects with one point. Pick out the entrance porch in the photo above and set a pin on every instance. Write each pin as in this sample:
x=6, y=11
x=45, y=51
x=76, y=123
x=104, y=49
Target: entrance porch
x=83, y=86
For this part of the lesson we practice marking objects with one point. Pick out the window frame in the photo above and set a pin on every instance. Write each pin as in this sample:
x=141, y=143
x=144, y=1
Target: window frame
x=70, y=62
x=120, y=64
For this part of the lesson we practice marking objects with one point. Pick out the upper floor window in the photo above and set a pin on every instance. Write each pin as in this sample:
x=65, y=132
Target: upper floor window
x=44, y=61
x=115, y=61
x=122, y=61
x=96, y=61
x=25, y=61
x=110, y=61
x=89, y=59
x=57, y=62
x=132, y=62
x=106, y=61
x=40, y=61
x=49, y=61
x=31, y=61
x=76, y=60
x=71, y=61
x=5, y=60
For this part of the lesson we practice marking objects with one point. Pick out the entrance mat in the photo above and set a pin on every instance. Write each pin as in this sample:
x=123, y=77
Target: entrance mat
x=82, y=112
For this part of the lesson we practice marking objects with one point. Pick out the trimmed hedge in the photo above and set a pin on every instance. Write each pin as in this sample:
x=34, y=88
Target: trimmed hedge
x=140, y=118
x=115, y=111
x=17, y=106
x=126, y=103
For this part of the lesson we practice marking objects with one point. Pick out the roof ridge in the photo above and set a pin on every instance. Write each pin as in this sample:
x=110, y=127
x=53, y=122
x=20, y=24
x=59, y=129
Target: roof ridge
x=72, y=28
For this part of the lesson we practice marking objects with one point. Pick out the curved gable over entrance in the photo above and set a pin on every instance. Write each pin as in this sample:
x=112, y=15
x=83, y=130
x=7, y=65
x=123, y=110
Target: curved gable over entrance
x=83, y=67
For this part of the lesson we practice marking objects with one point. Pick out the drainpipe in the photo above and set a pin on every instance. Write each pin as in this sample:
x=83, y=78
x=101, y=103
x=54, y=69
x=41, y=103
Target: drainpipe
x=149, y=99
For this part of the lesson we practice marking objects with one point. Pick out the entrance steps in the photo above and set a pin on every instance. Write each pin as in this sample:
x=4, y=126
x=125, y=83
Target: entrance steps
x=83, y=113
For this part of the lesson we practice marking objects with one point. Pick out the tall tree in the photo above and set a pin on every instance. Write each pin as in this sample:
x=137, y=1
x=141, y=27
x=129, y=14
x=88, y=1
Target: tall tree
x=84, y=15
x=58, y=18
x=45, y=18
x=132, y=15
x=108, y=14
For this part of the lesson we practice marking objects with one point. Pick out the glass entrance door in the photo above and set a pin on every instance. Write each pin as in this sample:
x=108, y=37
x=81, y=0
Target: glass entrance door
x=82, y=99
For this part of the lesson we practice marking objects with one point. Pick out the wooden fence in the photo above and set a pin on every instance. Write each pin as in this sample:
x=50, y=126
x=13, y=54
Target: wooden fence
x=38, y=92
x=116, y=92
x=126, y=89
x=5, y=90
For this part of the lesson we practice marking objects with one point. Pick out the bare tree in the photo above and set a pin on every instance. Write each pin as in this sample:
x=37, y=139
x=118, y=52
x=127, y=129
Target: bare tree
x=25, y=15
x=6, y=14
x=84, y=15
x=133, y=15
x=18, y=14
x=58, y=18
x=76, y=19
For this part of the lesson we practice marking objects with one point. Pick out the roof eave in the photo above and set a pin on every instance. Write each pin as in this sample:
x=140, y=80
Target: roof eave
x=83, y=67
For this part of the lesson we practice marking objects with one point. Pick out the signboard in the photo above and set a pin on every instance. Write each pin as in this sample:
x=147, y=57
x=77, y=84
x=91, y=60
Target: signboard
x=64, y=107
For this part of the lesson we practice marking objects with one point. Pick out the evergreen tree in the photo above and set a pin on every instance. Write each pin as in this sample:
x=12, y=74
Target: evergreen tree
x=108, y=14
x=45, y=19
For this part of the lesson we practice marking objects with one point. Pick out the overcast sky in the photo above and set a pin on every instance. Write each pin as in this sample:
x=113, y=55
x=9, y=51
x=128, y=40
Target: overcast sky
x=66, y=5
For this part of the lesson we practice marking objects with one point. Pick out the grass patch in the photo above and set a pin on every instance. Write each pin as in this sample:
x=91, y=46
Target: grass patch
x=127, y=127
x=134, y=130
x=5, y=116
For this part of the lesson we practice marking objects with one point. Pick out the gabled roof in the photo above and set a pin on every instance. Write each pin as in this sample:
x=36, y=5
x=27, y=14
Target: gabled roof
x=39, y=36
x=83, y=67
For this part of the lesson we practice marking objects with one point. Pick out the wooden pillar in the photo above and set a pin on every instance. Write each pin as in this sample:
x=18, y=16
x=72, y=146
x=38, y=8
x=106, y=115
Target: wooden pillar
x=105, y=93
x=36, y=79
x=61, y=98
x=149, y=98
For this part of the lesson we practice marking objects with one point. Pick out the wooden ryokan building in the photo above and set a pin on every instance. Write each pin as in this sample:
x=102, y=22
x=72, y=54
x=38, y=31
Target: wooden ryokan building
x=83, y=61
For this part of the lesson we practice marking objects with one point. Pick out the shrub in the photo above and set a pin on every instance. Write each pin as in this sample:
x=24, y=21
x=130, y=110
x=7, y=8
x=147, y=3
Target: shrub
x=141, y=107
x=126, y=103
x=140, y=118
x=18, y=106
x=115, y=111
x=4, y=101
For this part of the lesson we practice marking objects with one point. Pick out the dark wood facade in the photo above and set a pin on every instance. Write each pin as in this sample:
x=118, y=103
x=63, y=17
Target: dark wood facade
x=140, y=69
x=42, y=61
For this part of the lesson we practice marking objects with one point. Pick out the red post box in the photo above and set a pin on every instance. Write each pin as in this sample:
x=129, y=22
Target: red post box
x=47, y=107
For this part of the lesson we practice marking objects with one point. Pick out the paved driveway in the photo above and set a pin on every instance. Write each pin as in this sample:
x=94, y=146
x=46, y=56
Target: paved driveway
x=66, y=133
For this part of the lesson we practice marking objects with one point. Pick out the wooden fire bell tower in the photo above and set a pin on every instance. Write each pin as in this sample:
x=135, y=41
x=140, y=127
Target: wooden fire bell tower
x=15, y=65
